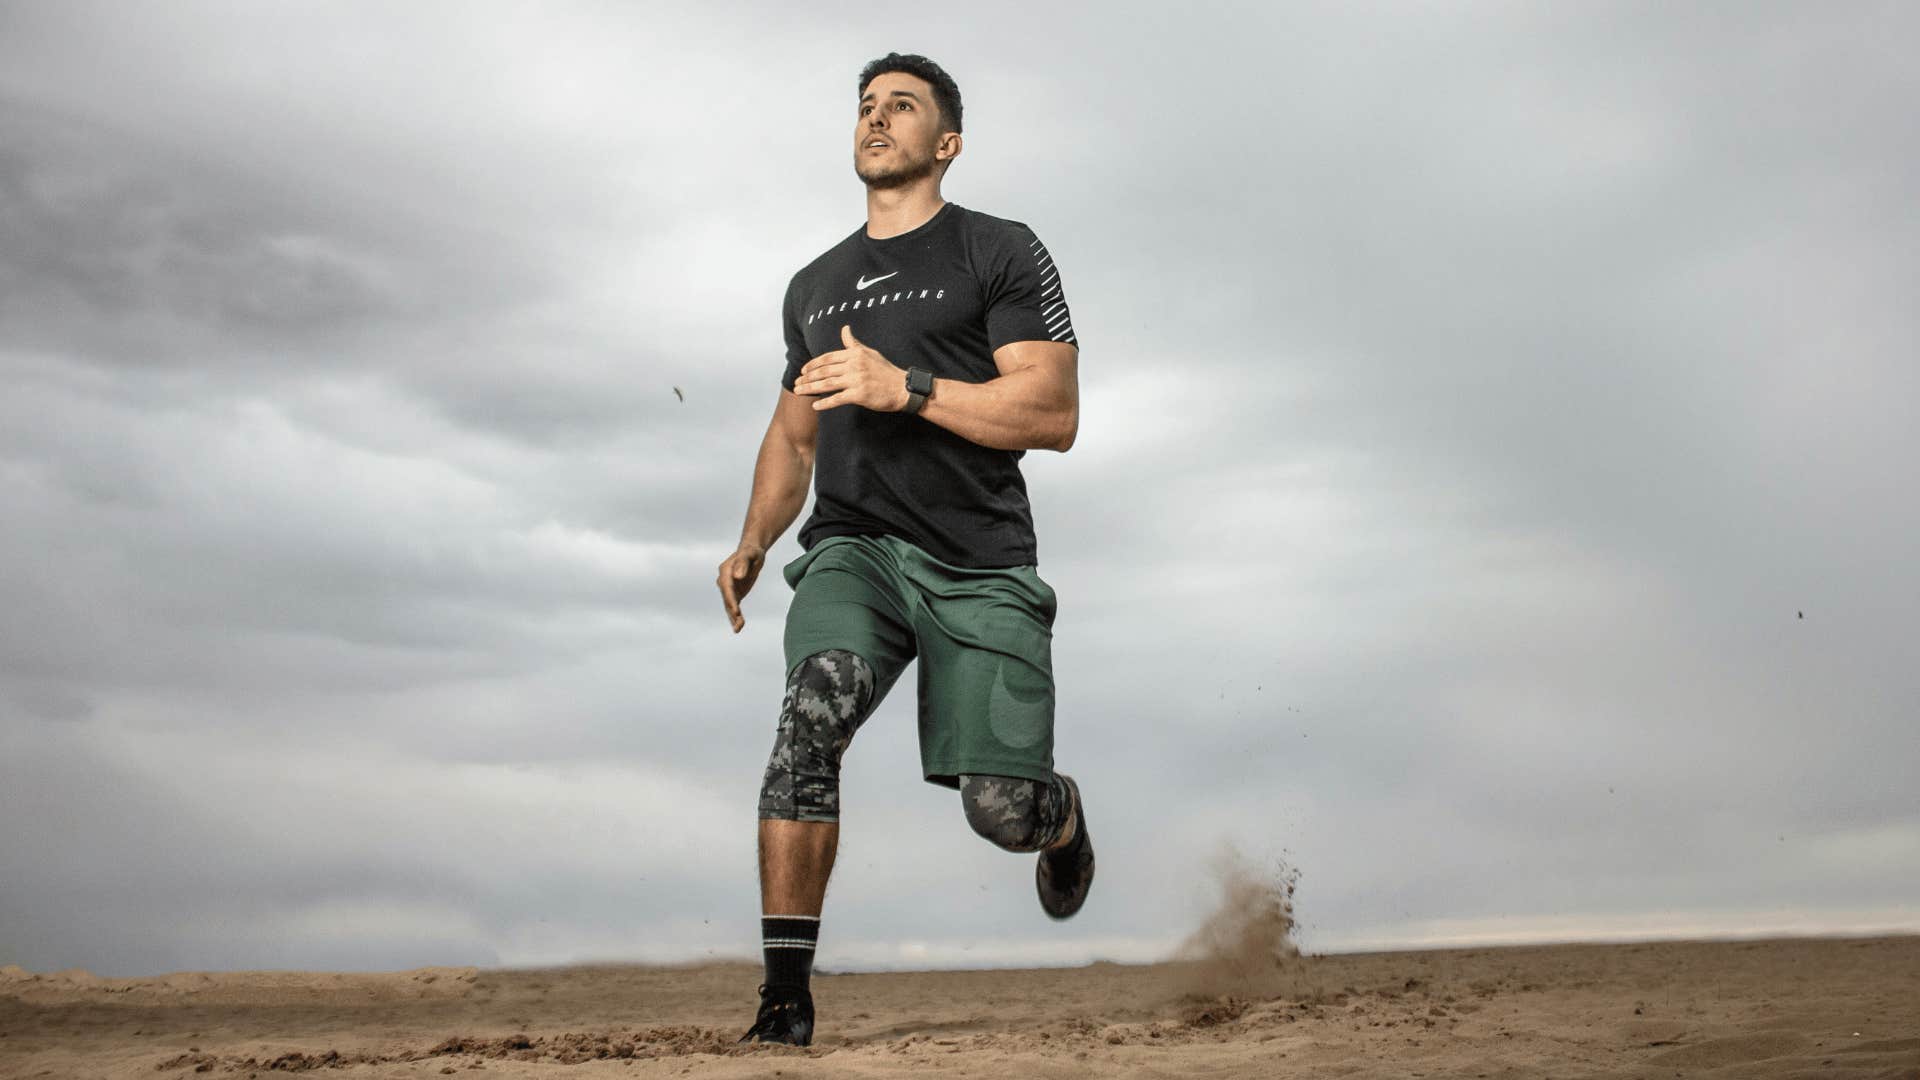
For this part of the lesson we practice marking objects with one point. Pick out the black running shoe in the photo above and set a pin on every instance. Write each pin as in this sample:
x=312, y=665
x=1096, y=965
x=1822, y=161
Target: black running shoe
x=1064, y=875
x=786, y=1016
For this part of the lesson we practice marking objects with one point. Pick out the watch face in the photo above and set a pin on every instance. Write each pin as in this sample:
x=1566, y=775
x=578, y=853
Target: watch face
x=919, y=381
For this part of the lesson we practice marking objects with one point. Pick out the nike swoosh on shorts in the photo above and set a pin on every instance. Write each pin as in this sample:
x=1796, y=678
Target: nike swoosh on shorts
x=1014, y=713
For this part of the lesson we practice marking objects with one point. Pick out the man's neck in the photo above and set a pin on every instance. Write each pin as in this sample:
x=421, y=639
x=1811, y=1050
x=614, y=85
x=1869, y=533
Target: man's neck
x=892, y=211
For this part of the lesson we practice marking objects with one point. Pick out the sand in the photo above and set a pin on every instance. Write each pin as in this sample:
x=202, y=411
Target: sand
x=1237, y=999
x=1774, y=1008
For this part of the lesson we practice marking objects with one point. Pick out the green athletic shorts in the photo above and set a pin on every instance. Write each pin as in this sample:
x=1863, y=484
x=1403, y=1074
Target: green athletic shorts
x=984, y=639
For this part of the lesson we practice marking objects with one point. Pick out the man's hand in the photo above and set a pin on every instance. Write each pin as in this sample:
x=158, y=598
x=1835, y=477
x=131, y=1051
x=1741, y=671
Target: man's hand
x=737, y=575
x=854, y=375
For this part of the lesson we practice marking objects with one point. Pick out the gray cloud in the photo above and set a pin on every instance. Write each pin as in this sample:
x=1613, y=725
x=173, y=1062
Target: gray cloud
x=1471, y=401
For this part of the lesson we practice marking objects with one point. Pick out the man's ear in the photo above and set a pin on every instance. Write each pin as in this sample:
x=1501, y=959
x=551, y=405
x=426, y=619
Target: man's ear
x=949, y=147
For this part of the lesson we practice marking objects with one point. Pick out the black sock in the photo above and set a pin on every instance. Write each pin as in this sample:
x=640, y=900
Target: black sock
x=788, y=941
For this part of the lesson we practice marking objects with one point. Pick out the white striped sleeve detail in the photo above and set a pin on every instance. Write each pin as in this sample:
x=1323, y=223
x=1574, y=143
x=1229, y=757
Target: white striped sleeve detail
x=1055, y=317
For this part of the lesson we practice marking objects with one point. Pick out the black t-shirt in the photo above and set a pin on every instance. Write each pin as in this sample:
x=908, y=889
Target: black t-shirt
x=942, y=297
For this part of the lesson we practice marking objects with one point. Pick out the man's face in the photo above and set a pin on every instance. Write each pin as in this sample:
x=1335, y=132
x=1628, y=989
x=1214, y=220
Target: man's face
x=897, y=138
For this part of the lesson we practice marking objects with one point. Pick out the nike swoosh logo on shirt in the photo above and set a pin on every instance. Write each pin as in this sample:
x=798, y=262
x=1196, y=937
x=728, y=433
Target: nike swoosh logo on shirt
x=864, y=282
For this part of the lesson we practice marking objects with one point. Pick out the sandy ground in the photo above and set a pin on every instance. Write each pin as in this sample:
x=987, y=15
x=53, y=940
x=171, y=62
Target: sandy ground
x=1776, y=1008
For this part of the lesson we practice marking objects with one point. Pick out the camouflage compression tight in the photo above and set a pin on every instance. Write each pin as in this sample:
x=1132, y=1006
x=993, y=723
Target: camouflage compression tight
x=1015, y=813
x=829, y=695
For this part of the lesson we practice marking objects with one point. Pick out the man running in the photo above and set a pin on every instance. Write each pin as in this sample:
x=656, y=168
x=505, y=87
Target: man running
x=926, y=352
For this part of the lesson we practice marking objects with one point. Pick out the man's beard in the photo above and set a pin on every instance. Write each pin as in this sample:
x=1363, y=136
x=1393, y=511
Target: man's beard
x=895, y=176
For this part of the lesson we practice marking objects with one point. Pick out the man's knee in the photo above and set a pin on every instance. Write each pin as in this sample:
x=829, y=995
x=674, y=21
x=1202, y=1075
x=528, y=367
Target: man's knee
x=1006, y=810
x=828, y=696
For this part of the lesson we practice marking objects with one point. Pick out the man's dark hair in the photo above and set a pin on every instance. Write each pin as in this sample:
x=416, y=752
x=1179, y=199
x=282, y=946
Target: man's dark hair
x=946, y=92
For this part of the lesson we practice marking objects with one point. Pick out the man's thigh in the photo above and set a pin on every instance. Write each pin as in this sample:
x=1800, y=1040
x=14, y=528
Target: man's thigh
x=847, y=596
x=986, y=676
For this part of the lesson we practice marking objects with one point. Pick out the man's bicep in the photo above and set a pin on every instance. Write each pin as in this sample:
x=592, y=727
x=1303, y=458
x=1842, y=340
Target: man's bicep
x=1057, y=361
x=797, y=421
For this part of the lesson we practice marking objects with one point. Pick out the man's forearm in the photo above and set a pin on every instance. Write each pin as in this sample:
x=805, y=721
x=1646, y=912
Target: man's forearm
x=780, y=479
x=1016, y=411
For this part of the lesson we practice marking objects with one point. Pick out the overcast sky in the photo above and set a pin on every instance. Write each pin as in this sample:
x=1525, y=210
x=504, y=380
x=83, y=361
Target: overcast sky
x=1473, y=399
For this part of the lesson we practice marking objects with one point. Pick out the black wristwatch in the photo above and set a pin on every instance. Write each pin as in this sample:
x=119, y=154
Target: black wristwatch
x=919, y=385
